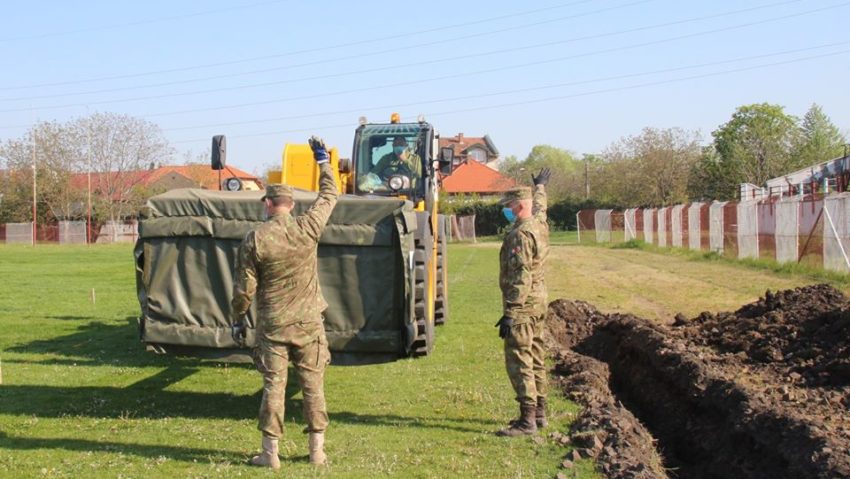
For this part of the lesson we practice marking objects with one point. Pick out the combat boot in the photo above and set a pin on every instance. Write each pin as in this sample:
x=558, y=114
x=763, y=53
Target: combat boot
x=316, y=442
x=267, y=458
x=540, y=413
x=525, y=425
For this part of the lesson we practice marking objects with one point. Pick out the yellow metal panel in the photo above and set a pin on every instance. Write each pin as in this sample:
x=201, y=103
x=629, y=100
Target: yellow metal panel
x=301, y=171
x=274, y=177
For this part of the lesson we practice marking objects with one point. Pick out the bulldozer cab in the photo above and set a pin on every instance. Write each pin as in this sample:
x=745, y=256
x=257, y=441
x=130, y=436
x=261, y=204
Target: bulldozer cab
x=392, y=159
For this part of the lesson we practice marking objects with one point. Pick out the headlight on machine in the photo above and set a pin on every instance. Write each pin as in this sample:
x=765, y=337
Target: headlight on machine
x=398, y=182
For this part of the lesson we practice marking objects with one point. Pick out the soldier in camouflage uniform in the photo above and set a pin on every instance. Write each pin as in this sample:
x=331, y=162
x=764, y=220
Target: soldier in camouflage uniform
x=521, y=262
x=277, y=267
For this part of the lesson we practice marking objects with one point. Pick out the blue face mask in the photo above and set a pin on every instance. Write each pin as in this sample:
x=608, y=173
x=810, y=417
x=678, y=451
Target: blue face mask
x=398, y=150
x=509, y=214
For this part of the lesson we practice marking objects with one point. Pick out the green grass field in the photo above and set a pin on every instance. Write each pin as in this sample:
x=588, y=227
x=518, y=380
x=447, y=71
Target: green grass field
x=81, y=398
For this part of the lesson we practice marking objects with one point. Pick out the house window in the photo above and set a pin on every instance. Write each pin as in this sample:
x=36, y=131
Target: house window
x=478, y=155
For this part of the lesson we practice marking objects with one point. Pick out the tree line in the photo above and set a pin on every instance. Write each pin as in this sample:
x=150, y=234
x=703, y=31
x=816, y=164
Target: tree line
x=661, y=167
x=656, y=167
x=113, y=147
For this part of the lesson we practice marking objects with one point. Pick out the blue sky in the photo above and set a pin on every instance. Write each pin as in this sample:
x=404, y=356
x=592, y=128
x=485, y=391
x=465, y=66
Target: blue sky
x=576, y=74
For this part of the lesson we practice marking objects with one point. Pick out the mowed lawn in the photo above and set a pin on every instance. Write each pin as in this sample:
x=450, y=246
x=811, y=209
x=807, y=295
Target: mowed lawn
x=81, y=398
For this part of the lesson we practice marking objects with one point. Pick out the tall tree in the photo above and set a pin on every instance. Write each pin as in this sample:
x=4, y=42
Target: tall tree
x=54, y=151
x=567, y=172
x=115, y=148
x=651, y=168
x=708, y=178
x=122, y=149
x=820, y=139
x=756, y=144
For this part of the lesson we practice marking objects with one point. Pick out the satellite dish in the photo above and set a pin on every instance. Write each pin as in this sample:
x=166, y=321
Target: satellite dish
x=233, y=184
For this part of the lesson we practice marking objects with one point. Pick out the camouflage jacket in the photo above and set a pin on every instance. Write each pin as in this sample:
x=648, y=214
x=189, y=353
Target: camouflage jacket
x=521, y=263
x=276, y=264
x=390, y=164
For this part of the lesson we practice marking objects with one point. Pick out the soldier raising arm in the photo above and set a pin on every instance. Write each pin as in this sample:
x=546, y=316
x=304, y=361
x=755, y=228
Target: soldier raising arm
x=524, y=302
x=277, y=269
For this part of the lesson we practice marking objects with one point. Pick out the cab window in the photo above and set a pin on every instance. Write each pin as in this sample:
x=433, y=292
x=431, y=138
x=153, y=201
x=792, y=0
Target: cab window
x=383, y=157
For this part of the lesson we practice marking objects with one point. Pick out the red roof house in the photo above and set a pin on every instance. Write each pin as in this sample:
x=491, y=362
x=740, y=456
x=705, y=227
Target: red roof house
x=164, y=178
x=474, y=177
x=481, y=149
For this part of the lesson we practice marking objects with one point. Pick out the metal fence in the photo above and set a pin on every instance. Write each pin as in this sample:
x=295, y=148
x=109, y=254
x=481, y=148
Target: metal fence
x=19, y=233
x=73, y=232
x=463, y=228
x=69, y=232
x=811, y=230
x=114, y=232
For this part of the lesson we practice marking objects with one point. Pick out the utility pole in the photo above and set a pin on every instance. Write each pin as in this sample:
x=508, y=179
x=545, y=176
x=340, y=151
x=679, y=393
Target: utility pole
x=88, y=222
x=34, y=193
x=586, y=181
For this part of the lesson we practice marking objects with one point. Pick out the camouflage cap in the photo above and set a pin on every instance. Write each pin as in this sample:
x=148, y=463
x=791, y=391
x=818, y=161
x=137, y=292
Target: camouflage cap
x=516, y=194
x=277, y=190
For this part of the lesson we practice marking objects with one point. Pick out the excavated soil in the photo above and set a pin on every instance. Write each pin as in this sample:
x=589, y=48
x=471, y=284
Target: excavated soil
x=762, y=392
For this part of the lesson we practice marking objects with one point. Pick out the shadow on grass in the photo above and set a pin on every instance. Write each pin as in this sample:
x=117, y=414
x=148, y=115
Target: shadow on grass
x=391, y=420
x=142, y=450
x=96, y=343
x=147, y=400
x=71, y=318
x=150, y=399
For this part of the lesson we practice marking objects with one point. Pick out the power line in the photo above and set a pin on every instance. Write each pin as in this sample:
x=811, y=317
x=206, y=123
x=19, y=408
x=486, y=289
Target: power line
x=642, y=85
x=445, y=77
x=519, y=90
x=328, y=61
x=137, y=23
x=298, y=52
x=552, y=98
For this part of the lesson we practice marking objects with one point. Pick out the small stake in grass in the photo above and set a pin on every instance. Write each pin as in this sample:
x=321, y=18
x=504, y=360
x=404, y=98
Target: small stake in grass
x=1, y=372
x=92, y=296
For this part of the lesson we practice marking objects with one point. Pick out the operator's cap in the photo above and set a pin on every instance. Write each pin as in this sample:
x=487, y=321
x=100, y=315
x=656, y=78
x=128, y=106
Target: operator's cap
x=516, y=194
x=277, y=190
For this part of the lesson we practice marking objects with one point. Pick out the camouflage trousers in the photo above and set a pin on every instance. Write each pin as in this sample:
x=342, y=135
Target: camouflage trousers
x=272, y=359
x=525, y=357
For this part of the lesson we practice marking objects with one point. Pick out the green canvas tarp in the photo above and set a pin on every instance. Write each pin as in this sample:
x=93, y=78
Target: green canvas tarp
x=185, y=258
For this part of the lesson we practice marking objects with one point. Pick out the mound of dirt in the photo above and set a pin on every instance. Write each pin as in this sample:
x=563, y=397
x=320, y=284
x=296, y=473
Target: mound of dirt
x=570, y=322
x=803, y=333
x=750, y=394
x=605, y=430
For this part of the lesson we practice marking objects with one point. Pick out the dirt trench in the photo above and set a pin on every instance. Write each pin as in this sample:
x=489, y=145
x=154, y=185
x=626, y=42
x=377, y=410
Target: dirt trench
x=762, y=392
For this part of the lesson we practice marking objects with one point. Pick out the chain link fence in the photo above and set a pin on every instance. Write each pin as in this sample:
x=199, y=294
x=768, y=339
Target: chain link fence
x=69, y=232
x=813, y=230
x=116, y=232
x=73, y=232
x=463, y=228
x=19, y=233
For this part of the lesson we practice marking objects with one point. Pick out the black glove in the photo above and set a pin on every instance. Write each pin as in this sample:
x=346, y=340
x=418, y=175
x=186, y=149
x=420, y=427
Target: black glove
x=542, y=178
x=320, y=153
x=239, y=332
x=504, y=325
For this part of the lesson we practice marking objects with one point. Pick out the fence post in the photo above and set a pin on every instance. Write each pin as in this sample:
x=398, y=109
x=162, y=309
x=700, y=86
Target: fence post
x=835, y=232
x=578, y=226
